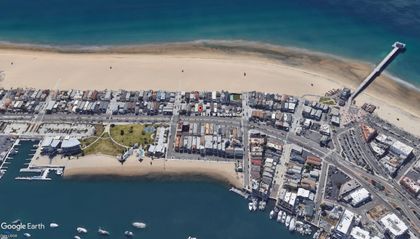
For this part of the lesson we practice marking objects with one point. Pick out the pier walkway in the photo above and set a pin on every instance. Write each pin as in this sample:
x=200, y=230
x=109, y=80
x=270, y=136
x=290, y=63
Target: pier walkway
x=397, y=47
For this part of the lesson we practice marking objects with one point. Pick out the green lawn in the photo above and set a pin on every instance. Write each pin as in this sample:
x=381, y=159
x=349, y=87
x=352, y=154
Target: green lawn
x=104, y=146
x=131, y=134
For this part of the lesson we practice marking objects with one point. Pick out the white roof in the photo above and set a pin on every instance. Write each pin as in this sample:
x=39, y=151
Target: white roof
x=394, y=224
x=68, y=143
x=292, y=199
x=303, y=193
x=46, y=142
x=345, y=222
x=359, y=233
x=401, y=148
x=359, y=195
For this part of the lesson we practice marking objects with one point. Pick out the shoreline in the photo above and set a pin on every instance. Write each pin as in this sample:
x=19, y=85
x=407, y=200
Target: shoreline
x=215, y=46
x=210, y=66
x=157, y=169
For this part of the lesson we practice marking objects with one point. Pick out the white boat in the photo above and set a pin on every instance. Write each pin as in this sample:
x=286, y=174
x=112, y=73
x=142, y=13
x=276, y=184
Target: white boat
x=77, y=237
x=17, y=221
x=128, y=234
x=288, y=218
x=103, y=232
x=283, y=218
x=139, y=225
x=27, y=235
x=261, y=205
x=254, y=204
x=292, y=224
x=81, y=230
x=53, y=225
x=250, y=206
x=190, y=237
x=272, y=214
x=279, y=216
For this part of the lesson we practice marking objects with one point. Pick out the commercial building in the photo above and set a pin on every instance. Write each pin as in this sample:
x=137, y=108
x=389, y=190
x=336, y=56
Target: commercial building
x=342, y=230
x=394, y=227
x=359, y=197
x=359, y=233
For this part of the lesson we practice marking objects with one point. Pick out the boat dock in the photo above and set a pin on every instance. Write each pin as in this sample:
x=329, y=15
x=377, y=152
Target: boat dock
x=239, y=192
x=12, y=150
x=397, y=47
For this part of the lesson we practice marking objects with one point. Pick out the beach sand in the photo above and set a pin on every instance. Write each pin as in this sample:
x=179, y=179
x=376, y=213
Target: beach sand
x=103, y=165
x=200, y=66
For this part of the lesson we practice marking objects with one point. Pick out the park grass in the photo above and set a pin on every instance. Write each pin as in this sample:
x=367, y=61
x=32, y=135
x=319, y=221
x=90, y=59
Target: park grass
x=130, y=134
x=104, y=146
x=99, y=129
x=87, y=141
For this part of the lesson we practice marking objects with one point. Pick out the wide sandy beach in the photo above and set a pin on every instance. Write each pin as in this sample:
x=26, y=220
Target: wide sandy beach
x=199, y=66
x=102, y=165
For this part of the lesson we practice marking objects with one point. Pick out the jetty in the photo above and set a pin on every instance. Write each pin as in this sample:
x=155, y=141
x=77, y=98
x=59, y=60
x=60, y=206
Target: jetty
x=397, y=47
x=239, y=192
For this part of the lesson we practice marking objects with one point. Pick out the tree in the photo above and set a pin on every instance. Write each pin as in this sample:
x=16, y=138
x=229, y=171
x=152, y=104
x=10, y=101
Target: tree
x=122, y=132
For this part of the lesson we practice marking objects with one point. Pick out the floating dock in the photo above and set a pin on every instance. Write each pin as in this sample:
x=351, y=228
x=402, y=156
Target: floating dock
x=397, y=47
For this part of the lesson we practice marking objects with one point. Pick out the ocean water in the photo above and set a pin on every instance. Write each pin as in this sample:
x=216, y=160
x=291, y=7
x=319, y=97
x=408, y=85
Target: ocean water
x=171, y=209
x=359, y=29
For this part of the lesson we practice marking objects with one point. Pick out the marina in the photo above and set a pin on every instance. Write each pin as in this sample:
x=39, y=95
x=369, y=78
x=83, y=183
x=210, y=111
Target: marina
x=100, y=210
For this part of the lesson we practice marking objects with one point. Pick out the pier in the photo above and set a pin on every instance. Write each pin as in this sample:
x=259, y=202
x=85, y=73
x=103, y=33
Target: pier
x=397, y=47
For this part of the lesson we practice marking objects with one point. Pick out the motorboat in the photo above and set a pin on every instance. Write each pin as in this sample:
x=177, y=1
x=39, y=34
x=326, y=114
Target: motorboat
x=261, y=205
x=250, y=206
x=128, y=234
x=81, y=230
x=103, y=232
x=139, y=225
x=272, y=214
x=279, y=216
x=190, y=237
x=53, y=225
x=283, y=218
x=77, y=237
x=27, y=234
x=17, y=221
x=288, y=218
x=254, y=204
x=292, y=224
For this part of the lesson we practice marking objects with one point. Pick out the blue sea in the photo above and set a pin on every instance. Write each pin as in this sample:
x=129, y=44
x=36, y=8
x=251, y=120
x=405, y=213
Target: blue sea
x=172, y=209
x=358, y=29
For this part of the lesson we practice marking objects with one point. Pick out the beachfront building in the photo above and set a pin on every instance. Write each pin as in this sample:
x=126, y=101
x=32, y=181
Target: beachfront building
x=49, y=146
x=70, y=146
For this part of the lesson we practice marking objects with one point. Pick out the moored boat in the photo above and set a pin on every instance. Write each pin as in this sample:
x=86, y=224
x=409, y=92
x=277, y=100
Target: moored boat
x=128, y=234
x=272, y=214
x=77, y=237
x=279, y=215
x=27, y=234
x=53, y=225
x=292, y=224
x=103, y=232
x=81, y=230
x=250, y=206
x=288, y=218
x=283, y=218
x=139, y=225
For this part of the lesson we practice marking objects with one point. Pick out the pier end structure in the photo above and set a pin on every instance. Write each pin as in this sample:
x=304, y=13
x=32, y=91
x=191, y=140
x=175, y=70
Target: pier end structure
x=397, y=47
